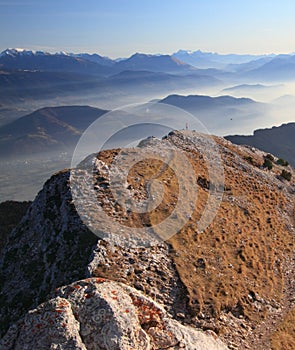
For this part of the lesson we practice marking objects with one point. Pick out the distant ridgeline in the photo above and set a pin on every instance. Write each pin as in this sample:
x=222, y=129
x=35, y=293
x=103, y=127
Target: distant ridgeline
x=279, y=141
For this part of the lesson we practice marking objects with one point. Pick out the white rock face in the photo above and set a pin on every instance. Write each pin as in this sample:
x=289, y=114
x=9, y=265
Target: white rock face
x=96, y=314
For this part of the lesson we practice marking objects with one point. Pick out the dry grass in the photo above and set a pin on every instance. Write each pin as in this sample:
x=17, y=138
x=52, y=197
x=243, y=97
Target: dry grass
x=238, y=259
x=284, y=337
x=235, y=265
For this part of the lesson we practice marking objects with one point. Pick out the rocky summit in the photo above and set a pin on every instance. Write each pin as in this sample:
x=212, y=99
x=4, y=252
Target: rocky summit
x=222, y=280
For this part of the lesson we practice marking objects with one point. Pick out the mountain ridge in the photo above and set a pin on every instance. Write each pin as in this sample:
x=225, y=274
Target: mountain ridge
x=219, y=114
x=203, y=59
x=46, y=130
x=202, y=279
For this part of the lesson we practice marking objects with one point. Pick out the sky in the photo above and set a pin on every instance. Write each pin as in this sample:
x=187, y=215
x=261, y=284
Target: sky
x=119, y=28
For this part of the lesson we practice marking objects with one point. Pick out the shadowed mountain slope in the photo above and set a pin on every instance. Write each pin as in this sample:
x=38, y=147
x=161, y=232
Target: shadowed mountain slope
x=277, y=140
x=48, y=129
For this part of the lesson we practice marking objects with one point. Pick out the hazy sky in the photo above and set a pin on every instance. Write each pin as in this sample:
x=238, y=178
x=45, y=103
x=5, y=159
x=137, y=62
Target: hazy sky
x=118, y=28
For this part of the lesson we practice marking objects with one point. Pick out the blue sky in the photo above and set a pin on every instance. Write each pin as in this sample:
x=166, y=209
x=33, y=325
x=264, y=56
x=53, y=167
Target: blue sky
x=118, y=28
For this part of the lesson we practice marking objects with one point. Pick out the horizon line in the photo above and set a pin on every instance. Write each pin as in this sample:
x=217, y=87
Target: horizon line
x=92, y=52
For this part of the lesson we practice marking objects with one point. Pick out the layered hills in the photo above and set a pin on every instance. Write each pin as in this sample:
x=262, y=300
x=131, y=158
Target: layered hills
x=31, y=80
x=59, y=128
x=222, y=113
x=232, y=280
x=46, y=130
x=55, y=131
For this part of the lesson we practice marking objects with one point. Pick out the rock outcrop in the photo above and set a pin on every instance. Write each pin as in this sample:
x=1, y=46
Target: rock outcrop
x=11, y=212
x=97, y=314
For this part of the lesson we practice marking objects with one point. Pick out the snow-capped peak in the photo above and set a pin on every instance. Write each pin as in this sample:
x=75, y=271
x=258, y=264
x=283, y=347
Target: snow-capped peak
x=18, y=50
x=13, y=52
x=183, y=52
x=62, y=53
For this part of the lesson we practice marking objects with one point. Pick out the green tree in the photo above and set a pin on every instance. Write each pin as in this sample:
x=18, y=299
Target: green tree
x=267, y=163
x=282, y=162
x=286, y=175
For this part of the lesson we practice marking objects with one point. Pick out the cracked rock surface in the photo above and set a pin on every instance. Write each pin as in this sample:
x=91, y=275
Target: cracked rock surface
x=96, y=314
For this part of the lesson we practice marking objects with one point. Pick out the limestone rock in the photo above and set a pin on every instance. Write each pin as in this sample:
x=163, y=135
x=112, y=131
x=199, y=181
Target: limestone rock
x=97, y=314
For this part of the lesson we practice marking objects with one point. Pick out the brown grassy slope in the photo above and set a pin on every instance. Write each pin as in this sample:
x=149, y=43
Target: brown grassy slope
x=284, y=337
x=242, y=250
x=236, y=265
x=238, y=259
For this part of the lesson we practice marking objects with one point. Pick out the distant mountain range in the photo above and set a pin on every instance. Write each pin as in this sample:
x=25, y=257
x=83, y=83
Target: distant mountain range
x=214, y=60
x=155, y=63
x=104, y=61
x=13, y=59
x=89, y=64
x=263, y=68
x=32, y=79
x=279, y=141
x=274, y=66
x=279, y=68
